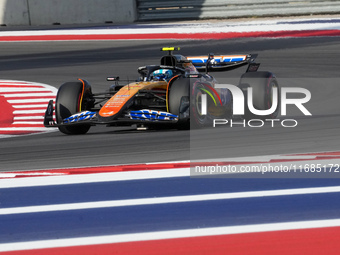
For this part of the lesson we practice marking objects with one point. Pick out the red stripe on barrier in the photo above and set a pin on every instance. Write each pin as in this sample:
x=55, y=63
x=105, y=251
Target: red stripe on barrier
x=292, y=242
x=184, y=36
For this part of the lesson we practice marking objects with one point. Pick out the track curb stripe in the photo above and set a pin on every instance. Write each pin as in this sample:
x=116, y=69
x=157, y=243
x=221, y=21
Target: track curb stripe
x=296, y=242
x=25, y=101
x=275, y=28
x=234, y=239
x=174, y=36
x=168, y=200
x=271, y=159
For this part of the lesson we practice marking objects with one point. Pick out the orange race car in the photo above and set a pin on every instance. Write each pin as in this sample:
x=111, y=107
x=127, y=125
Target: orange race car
x=174, y=93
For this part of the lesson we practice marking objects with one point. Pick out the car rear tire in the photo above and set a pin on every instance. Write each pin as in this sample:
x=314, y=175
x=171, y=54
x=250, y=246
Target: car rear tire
x=69, y=101
x=272, y=83
x=197, y=118
x=262, y=84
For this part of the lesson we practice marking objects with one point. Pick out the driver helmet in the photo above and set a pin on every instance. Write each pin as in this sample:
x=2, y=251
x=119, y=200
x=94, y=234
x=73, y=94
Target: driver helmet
x=162, y=75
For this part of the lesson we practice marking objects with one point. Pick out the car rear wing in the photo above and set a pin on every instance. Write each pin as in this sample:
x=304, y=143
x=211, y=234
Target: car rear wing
x=221, y=62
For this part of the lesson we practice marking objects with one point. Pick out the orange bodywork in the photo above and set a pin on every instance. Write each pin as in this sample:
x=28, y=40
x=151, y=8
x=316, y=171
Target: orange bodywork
x=117, y=102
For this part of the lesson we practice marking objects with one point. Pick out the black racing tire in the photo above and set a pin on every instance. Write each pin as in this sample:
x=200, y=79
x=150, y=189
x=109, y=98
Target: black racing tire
x=68, y=102
x=178, y=89
x=262, y=84
x=272, y=83
x=197, y=118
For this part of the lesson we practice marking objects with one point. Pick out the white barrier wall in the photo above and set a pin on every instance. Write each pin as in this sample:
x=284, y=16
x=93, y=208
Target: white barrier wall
x=48, y=12
x=14, y=12
x=151, y=10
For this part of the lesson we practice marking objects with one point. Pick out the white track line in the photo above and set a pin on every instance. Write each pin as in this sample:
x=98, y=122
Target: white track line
x=21, y=101
x=33, y=95
x=30, y=105
x=172, y=234
x=27, y=123
x=29, y=111
x=6, y=90
x=29, y=118
x=8, y=83
x=23, y=129
x=167, y=200
x=91, y=178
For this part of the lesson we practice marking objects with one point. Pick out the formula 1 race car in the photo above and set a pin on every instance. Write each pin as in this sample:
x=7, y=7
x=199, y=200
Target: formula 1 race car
x=180, y=92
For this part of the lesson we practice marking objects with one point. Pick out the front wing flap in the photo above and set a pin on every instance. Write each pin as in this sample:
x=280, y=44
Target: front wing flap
x=90, y=117
x=151, y=115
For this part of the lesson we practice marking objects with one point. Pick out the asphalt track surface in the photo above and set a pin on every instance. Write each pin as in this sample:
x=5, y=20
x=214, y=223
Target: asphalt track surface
x=112, y=209
x=313, y=61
